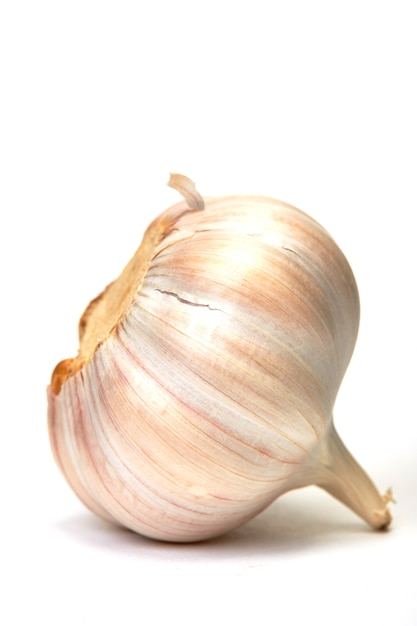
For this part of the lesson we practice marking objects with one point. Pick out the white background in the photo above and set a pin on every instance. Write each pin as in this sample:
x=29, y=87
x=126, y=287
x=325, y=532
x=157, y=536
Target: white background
x=311, y=102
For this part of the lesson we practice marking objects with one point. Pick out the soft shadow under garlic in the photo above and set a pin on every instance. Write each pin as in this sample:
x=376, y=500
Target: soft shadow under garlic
x=297, y=522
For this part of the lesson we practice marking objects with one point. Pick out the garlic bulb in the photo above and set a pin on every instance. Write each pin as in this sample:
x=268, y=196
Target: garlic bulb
x=207, y=373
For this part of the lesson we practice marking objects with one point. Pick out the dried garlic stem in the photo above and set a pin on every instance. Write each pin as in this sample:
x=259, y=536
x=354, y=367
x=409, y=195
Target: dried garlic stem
x=342, y=476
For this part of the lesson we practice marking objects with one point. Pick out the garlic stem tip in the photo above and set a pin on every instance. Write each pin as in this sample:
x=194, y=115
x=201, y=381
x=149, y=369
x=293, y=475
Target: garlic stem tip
x=389, y=497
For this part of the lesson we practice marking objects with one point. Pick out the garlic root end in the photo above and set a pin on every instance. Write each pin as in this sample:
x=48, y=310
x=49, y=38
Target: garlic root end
x=106, y=310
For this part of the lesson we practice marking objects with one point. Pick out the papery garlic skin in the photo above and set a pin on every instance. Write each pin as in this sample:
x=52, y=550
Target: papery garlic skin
x=208, y=389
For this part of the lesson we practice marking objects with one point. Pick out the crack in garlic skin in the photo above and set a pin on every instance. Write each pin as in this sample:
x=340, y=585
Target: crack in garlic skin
x=207, y=373
x=185, y=301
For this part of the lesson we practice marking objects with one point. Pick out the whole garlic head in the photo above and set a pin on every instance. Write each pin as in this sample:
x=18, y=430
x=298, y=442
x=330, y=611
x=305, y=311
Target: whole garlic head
x=207, y=373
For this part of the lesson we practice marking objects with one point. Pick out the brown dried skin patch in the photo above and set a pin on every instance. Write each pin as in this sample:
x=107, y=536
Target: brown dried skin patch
x=62, y=371
x=106, y=310
x=89, y=311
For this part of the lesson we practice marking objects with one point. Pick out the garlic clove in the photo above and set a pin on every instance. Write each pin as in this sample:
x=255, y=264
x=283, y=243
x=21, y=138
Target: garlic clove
x=207, y=373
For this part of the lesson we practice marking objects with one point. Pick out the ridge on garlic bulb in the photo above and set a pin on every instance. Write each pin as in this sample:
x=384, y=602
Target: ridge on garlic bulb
x=207, y=373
